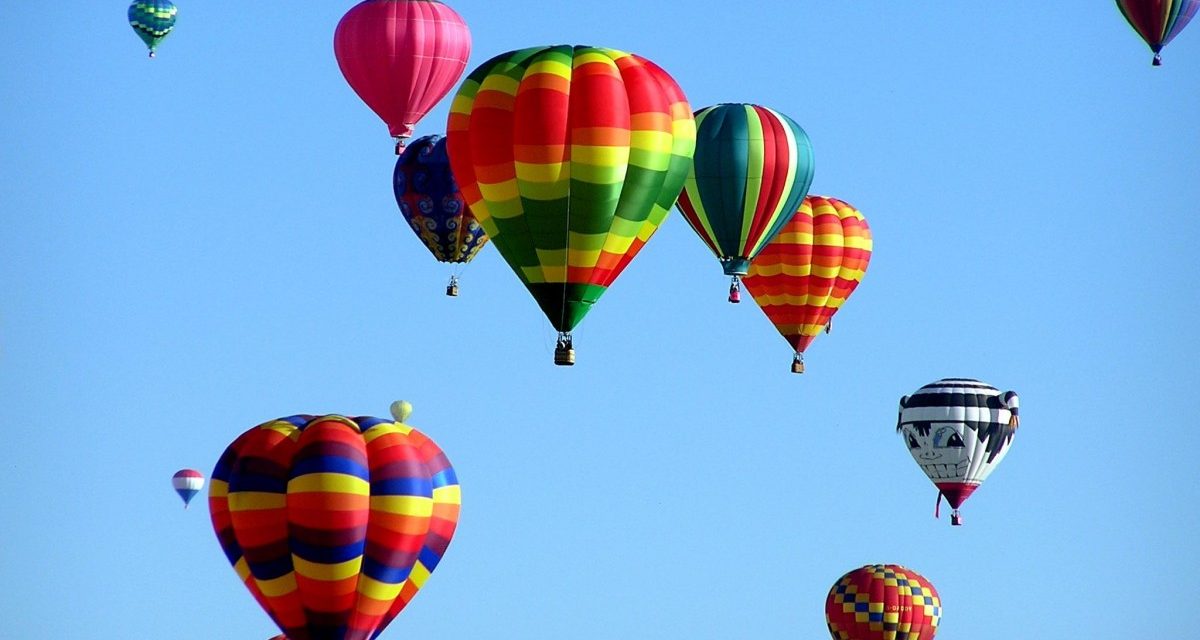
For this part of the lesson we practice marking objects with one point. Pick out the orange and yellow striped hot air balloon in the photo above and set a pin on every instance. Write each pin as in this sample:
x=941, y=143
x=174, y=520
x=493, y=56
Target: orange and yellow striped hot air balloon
x=808, y=271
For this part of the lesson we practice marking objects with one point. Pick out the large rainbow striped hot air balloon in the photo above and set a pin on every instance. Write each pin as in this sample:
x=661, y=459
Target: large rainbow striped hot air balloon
x=809, y=270
x=752, y=167
x=571, y=158
x=1158, y=21
x=433, y=206
x=401, y=57
x=334, y=523
x=883, y=602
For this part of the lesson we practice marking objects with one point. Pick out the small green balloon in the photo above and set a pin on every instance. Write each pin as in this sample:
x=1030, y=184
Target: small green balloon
x=401, y=410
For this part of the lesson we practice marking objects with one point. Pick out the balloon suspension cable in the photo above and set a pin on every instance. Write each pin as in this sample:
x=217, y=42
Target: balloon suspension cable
x=452, y=288
x=735, y=290
x=564, y=350
x=956, y=518
x=1157, y=60
x=798, y=363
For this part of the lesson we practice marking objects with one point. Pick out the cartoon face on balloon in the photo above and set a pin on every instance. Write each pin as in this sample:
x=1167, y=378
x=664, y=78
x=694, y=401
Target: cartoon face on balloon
x=958, y=430
x=939, y=447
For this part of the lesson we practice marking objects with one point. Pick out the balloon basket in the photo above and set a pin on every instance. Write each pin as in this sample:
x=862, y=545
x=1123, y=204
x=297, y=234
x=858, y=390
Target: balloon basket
x=564, y=356
x=152, y=55
x=452, y=288
x=735, y=291
x=798, y=364
x=828, y=327
x=956, y=518
x=564, y=351
x=1157, y=61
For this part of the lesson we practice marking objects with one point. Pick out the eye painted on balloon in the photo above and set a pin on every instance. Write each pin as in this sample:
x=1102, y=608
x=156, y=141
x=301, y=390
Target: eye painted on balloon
x=947, y=437
x=912, y=442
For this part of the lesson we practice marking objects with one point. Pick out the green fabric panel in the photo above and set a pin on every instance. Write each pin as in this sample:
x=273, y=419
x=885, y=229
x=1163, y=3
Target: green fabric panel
x=721, y=161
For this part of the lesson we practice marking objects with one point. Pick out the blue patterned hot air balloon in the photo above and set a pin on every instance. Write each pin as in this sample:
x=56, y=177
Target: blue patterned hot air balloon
x=430, y=201
x=152, y=20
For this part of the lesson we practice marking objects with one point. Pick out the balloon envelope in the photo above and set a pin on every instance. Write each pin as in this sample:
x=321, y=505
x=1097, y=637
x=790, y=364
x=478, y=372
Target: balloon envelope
x=883, y=602
x=333, y=523
x=187, y=483
x=401, y=57
x=432, y=205
x=958, y=430
x=807, y=272
x=152, y=21
x=1158, y=21
x=571, y=158
x=752, y=167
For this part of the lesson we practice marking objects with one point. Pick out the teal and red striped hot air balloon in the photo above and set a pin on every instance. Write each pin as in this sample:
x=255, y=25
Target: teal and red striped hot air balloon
x=1158, y=21
x=751, y=169
x=152, y=21
x=332, y=522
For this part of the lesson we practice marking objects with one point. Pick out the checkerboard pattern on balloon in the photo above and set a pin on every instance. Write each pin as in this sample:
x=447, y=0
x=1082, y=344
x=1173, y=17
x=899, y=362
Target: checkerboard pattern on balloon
x=883, y=602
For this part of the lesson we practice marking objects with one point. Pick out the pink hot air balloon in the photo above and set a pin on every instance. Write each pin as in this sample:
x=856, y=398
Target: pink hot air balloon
x=401, y=57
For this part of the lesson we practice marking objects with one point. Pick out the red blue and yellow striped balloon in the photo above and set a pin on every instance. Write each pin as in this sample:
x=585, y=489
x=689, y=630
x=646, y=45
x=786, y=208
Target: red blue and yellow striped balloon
x=1158, y=21
x=809, y=270
x=333, y=523
x=571, y=157
x=751, y=169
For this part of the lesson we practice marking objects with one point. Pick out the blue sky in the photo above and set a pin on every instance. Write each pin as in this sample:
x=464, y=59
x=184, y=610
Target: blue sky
x=195, y=244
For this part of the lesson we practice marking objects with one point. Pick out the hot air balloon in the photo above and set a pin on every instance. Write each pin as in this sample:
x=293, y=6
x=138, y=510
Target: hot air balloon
x=883, y=602
x=334, y=523
x=571, y=158
x=752, y=167
x=807, y=272
x=187, y=483
x=401, y=57
x=1158, y=21
x=152, y=20
x=430, y=201
x=958, y=430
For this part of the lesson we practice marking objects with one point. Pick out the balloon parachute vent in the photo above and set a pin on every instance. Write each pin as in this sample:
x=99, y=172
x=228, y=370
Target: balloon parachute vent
x=735, y=291
x=564, y=351
x=798, y=364
x=452, y=288
x=956, y=518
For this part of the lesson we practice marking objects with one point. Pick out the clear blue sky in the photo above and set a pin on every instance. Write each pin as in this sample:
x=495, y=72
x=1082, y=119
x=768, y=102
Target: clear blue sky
x=196, y=244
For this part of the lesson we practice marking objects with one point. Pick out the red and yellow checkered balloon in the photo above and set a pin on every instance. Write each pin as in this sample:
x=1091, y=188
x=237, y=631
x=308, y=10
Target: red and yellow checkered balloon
x=809, y=270
x=883, y=602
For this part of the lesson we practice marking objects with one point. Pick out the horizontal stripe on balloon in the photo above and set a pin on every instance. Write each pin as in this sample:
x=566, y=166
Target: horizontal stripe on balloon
x=256, y=500
x=277, y=587
x=331, y=483
x=330, y=464
x=386, y=574
x=404, y=505
x=316, y=570
x=401, y=486
x=451, y=494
